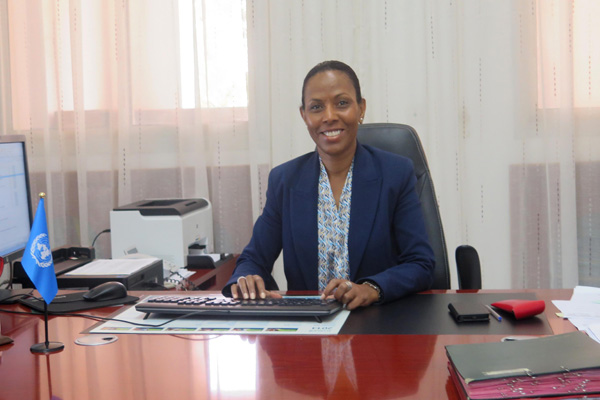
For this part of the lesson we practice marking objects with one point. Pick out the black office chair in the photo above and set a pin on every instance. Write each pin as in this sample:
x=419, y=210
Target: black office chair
x=403, y=140
x=468, y=267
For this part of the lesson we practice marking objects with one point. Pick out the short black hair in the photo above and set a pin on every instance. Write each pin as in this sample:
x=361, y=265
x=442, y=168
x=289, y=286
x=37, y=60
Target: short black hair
x=333, y=65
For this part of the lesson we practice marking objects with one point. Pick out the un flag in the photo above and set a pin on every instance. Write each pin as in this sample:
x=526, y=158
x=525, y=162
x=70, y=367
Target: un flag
x=37, y=259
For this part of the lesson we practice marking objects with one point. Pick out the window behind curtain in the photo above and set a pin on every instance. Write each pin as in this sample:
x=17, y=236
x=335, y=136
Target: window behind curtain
x=562, y=57
x=221, y=36
x=212, y=31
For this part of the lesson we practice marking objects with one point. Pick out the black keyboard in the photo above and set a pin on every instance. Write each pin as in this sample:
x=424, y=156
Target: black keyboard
x=219, y=305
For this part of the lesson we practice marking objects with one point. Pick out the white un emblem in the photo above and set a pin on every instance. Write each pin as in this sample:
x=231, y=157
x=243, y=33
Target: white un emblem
x=40, y=251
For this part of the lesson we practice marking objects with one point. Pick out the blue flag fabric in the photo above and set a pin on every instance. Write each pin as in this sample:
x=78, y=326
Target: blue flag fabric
x=37, y=259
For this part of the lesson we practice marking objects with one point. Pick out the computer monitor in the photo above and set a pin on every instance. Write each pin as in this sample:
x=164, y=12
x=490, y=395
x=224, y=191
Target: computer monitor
x=15, y=198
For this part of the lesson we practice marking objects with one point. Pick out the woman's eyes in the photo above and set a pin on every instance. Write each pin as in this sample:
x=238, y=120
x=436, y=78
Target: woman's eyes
x=319, y=107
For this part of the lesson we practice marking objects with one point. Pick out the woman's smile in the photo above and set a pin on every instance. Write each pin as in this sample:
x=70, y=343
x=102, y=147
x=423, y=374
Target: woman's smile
x=332, y=133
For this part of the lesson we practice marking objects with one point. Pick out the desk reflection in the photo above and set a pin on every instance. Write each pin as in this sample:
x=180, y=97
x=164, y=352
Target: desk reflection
x=349, y=367
x=232, y=367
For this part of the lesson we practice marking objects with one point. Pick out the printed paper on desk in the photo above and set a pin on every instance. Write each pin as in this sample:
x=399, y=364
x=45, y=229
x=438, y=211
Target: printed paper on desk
x=577, y=308
x=586, y=293
x=330, y=325
x=583, y=310
x=120, y=266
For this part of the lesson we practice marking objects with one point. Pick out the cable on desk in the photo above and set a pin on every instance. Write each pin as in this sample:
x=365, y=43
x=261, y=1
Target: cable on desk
x=98, y=318
x=15, y=297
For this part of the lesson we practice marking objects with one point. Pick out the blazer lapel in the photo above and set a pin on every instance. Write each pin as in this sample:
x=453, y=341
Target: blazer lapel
x=303, y=221
x=366, y=190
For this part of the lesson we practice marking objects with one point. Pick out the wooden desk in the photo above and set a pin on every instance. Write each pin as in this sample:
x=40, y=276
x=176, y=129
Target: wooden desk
x=223, y=367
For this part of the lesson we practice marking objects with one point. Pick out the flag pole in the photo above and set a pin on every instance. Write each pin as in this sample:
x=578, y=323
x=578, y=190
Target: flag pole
x=47, y=346
x=46, y=342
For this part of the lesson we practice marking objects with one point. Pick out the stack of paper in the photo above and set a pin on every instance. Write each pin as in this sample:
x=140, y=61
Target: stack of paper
x=560, y=365
x=119, y=266
x=583, y=310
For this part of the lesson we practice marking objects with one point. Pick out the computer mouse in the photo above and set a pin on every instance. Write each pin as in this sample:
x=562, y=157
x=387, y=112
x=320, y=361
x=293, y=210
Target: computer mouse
x=106, y=291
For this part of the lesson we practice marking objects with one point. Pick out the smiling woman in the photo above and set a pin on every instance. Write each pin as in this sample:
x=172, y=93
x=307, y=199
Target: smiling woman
x=346, y=216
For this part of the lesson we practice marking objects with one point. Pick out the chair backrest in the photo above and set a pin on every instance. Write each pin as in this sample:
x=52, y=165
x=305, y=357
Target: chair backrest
x=468, y=267
x=403, y=140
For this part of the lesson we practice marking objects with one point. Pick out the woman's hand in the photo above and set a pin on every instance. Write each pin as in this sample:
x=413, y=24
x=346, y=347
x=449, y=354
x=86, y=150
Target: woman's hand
x=350, y=294
x=251, y=287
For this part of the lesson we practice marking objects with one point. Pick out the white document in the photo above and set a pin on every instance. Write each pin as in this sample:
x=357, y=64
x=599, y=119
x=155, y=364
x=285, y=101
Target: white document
x=586, y=294
x=593, y=331
x=118, y=266
x=583, y=310
x=570, y=308
x=585, y=303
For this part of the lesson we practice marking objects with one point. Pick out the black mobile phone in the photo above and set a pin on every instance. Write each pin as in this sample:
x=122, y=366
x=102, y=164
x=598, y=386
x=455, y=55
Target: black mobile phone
x=468, y=312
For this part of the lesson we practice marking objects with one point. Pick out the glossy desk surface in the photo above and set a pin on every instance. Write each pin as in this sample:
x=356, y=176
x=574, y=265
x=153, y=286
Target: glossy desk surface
x=223, y=367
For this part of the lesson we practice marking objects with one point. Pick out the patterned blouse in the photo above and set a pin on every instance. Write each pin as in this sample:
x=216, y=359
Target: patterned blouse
x=333, y=225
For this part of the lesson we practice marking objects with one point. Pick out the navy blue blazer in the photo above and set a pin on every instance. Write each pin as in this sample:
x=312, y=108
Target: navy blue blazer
x=387, y=241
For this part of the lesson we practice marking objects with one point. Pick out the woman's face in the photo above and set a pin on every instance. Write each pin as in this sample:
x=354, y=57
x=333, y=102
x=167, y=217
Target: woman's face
x=332, y=113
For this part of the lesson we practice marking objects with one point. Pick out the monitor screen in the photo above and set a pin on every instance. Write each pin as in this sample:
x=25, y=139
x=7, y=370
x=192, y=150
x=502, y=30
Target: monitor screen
x=15, y=199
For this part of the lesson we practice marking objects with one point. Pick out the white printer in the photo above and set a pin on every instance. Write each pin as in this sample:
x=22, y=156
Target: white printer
x=169, y=229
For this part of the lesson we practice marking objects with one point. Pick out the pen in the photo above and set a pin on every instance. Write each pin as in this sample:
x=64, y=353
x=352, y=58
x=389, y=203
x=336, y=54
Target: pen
x=494, y=313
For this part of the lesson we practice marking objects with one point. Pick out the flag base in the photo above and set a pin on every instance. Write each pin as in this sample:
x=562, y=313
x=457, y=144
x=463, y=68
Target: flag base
x=47, y=347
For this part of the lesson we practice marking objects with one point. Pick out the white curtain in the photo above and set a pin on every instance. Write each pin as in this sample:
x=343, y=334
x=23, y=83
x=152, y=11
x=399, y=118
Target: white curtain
x=504, y=94
x=129, y=100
